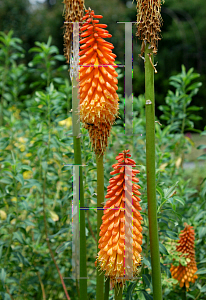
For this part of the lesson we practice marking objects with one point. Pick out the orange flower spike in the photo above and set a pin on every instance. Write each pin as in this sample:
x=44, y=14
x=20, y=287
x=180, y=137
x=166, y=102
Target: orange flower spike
x=112, y=231
x=98, y=100
x=186, y=274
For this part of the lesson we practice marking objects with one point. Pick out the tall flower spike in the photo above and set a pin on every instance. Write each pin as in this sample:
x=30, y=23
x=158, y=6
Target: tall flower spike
x=111, y=257
x=149, y=22
x=186, y=274
x=74, y=10
x=98, y=81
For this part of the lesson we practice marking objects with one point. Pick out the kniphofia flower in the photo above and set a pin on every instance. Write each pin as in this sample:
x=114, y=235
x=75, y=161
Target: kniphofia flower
x=149, y=22
x=98, y=81
x=121, y=207
x=186, y=274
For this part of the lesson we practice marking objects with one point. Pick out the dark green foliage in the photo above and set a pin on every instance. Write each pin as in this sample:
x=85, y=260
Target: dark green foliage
x=178, y=112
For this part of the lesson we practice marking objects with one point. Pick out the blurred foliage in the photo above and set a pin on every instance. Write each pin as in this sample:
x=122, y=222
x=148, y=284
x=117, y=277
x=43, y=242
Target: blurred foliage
x=183, y=37
x=36, y=178
x=178, y=112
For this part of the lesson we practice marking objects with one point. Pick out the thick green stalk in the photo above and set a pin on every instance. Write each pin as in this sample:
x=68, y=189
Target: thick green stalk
x=118, y=292
x=106, y=289
x=151, y=179
x=184, y=293
x=78, y=161
x=100, y=200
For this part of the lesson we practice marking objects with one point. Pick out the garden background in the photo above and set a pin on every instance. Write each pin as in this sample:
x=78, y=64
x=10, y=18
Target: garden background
x=37, y=150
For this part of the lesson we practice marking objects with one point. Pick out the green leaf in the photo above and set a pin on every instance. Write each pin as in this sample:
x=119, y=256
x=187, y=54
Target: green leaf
x=146, y=262
x=202, y=232
x=162, y=248
x=22, y=259
x=59, y=57
x=6, y=180
x=201, y=271
x=194, y=108
x=63, y=230
x=170, y=191
x=4, y=142
x=3, y=275
x=195, y=85
x=26, y=167
x=1, y=249
x=194, y=117
x=5, y=296
x=148, y=280
x=202, y=157
x=203, y=289
x=19, y=237
x=200, y=215
x=200, y=147
x=63, y=246
x=171, y=234
x=160, y=191
x=130, y=290
x=179, y=200
x=202, y=261
x=31, y=183
x=20, y=178
x=146, y=295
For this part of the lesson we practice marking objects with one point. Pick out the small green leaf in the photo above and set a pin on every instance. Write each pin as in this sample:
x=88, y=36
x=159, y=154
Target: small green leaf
x=160, y=191
x=5, y=296
x=3, y=275
x=201, y=271
x=146, y=262
x=146, y=295
x=130, y=290
x=201, y=232
x=179, y=200
x=22, y=259
x=6, y=180
x=63, y=230
x=162, y=248
x=171, y=234
x=20, y=178
x=148, y=280
x=203, y=289
x=202, y=157
x=200, y=147
x=202, y=261
x=170, y=191
x=19, y=237
x=63, y=246
x=200, y=215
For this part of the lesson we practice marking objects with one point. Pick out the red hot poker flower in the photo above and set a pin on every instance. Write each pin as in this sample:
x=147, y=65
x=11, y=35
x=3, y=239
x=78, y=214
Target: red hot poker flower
x=117, y=212
x=98, y=81
x=186, y=274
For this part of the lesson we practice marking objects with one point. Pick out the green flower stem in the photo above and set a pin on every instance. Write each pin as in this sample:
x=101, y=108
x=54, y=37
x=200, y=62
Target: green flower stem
x=118, y=292
x=100, y=200
x=106, y=289
x=184, y=294
x=150, y=163
x=78, y=161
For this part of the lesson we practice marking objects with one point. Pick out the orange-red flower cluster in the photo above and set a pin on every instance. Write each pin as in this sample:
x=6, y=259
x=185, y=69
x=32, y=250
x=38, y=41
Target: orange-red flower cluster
x=186, y=274
x=98, y=81
x=121, y=224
